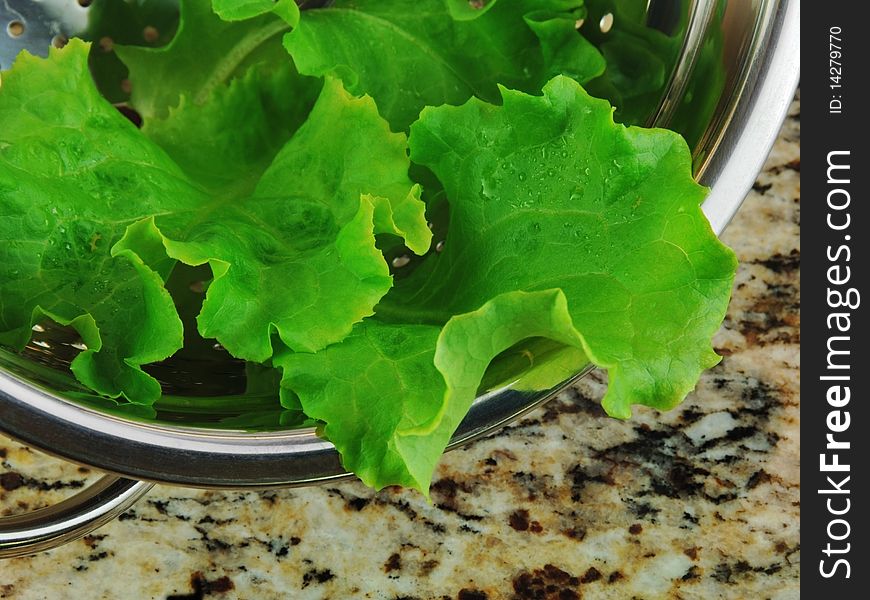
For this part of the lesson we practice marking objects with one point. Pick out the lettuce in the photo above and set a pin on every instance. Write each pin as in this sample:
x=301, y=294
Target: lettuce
x=205, y=54
x=562, y=238
x=408, y=59
x=90, y=203
x=563, y=225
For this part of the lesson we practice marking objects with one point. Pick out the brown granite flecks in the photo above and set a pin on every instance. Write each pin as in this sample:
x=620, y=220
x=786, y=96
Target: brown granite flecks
x=698, y=503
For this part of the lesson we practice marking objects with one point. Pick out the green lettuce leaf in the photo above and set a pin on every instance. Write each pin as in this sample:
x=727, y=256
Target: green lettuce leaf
x=96, y=214
x=408, y=57
x=226, y=132
x=534, y=365
x=229, y=142
x=150, y=23
x=549, y=191
x=544, y=192
x=239, y=10
x=392, y=395
x=299, y=257
x=69, y=165
x=206, y=53
x=466, y=10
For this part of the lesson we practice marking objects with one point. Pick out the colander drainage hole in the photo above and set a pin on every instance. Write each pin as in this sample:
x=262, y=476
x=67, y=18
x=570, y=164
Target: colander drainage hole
x=15, y=29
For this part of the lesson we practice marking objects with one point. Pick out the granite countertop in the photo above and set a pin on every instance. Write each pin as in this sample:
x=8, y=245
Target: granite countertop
x=701, y=502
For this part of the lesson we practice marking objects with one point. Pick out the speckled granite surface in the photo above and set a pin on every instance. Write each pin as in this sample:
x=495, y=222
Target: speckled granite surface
x=702, y=502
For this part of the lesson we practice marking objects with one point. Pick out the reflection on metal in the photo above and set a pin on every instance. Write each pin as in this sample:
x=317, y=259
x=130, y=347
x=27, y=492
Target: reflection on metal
x=34, y=25
x=701, y=17
x=69, y=520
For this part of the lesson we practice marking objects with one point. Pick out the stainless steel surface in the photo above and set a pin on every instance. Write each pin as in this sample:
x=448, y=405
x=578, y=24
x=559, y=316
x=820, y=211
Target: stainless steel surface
x=701, y=18
x=199, y=457
x=69, y=520
x=738, y=144
x=759, y=60
x=35, y=25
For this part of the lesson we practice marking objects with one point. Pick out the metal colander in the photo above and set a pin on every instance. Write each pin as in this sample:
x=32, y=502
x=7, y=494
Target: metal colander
x=755, y=44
